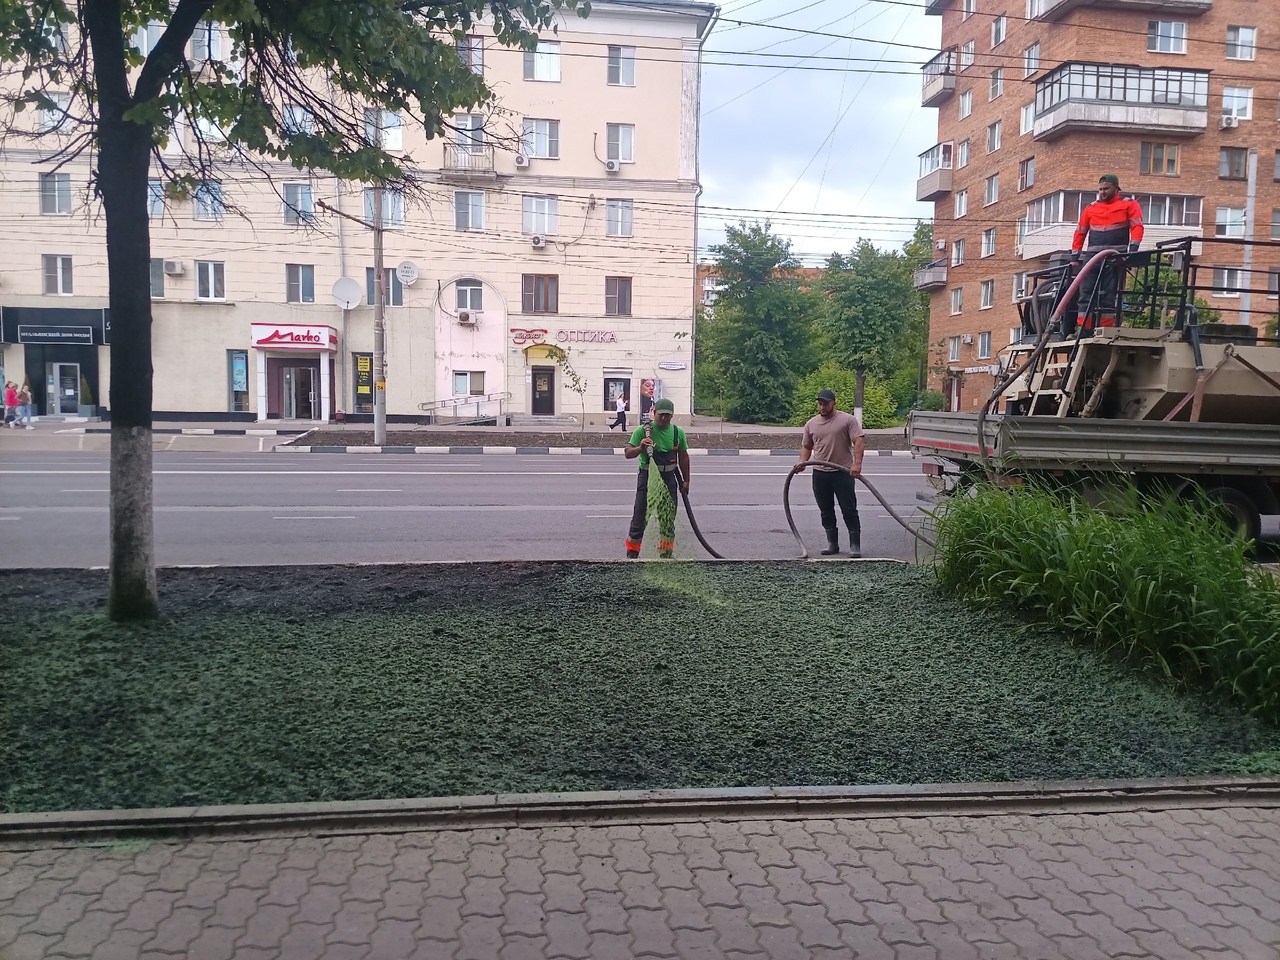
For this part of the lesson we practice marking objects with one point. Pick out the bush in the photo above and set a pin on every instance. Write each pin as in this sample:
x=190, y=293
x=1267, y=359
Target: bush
x=930, y=401
x=902, y=387
x=1160, y=583
x=878, y=407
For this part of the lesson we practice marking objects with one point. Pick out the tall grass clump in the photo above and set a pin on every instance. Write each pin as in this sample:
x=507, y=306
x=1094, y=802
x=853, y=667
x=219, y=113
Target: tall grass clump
x=1158, y=582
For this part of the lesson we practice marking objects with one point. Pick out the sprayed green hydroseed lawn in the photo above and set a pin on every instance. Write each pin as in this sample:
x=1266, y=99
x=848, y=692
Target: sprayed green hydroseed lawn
x=326, y=683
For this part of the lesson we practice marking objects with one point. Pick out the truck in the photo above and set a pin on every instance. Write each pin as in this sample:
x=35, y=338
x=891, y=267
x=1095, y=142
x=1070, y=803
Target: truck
x=1156, y=397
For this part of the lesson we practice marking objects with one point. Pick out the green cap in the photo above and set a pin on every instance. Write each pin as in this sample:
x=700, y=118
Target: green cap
x=1109, y=178
x=664, y=406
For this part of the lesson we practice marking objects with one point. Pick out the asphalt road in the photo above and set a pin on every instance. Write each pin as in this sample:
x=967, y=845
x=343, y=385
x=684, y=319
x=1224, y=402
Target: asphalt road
x=279, y=508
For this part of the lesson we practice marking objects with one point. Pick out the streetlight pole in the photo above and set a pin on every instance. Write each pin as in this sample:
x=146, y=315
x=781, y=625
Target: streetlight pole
x=379, y=327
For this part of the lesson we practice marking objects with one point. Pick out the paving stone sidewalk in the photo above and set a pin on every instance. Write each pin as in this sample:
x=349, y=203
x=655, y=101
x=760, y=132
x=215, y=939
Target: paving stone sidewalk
x=1178, y=885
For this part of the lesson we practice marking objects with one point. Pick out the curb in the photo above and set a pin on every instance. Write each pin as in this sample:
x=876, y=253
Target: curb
x=583, y=451
x=199, y=431
x=647, y=806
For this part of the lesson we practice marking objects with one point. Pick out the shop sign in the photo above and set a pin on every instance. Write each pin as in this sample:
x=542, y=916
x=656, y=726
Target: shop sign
x=519, y=336
x=672, y=365
x=586, y=336
x=287, y=336
x=54, y=325
x=992, y=369
x=42, y=334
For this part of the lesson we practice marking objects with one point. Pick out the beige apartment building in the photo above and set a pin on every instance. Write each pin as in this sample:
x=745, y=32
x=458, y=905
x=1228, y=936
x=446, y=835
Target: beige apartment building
x=1038, y=98
x=566, y=218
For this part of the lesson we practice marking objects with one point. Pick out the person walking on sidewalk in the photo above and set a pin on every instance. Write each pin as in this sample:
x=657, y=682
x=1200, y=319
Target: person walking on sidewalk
x=620, y=413
x=10, y=404
x=666, y=445
x=24, y=408
x=834, y=436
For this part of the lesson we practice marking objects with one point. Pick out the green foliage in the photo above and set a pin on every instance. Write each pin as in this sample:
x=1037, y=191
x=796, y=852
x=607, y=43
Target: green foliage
x=878, y=406
x=930, y=401
x=870, y=304
x=902, y=387
x=573, y=380
x=1165, y=289
x=1159, y=583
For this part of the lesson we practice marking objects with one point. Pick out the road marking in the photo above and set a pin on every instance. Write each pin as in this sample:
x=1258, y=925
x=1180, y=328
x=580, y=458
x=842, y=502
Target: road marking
x=622, y=490
x=775, y=475
x=608, y=516
x=367, y=490
x=313, y=518
x=10, y=518
x=86, y=491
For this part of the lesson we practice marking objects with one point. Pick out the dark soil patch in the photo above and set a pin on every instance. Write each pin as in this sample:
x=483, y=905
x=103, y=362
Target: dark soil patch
x=573, y=438
x=329, y=683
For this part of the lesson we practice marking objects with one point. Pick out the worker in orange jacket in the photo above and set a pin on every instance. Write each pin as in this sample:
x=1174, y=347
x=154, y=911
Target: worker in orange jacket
x=1111, y=222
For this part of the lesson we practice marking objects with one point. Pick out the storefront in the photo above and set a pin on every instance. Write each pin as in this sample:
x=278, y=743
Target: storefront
x=295, y=370
x=59, y=350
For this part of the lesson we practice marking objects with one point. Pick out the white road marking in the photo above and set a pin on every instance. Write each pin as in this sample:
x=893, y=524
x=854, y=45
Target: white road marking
x=608, y=516
x=367, y=490
x=86, y=491
x=313, y=518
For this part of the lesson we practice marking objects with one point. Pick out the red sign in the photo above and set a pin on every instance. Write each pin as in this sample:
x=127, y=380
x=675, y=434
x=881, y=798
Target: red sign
x=291, y=336
x=520, y=335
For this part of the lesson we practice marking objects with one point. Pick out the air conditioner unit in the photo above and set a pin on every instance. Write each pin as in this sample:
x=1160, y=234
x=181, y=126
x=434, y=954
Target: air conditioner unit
x=537, y=241
x=174, y=268
x=468, y=318
x=1228, y=123
x=1017, y=249
x=522, y=162
x=940, y=244
x=967, y=338
x=612, y=166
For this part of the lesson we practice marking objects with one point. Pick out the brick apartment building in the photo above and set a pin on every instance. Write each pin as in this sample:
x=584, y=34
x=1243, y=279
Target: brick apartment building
x=1038, y=98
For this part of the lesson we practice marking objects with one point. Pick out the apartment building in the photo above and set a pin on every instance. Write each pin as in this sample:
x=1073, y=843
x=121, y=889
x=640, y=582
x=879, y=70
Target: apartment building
x=564, y=218
x=1038, y=98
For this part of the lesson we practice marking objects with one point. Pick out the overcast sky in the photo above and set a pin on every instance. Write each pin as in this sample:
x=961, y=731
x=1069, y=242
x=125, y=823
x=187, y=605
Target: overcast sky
x=815, y=142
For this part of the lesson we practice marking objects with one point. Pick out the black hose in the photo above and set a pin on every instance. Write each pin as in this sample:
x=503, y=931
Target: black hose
x=692, y=522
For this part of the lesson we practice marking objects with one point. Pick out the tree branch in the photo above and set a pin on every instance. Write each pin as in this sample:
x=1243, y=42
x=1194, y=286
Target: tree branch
x=170, y=49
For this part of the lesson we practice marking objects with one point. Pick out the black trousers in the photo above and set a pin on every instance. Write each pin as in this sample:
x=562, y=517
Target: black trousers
x=620, y=420
x=639, y=512
x=830, y=486
x=1107, y=303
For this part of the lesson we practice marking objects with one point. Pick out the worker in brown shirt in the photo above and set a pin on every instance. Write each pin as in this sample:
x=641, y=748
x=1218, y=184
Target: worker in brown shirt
x=834, y=436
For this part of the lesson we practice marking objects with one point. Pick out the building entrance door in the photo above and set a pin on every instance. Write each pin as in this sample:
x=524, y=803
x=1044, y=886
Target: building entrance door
x=544, y=391
x=299, y=393
x=62, y=389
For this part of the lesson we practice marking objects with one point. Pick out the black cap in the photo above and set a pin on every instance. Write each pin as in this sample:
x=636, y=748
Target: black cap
x=826, y=395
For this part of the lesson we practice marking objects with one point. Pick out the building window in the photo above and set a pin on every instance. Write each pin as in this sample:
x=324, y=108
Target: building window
x=962, y=204
x=966, y=55
x=469, y=294
x=541, y=139
x=620, y=140
x=966, y=104
x=155, y=199
x=540, y=293
x=383, y=128
x=1166, y=36
x=541, y=214
x=300, y=283
x=206, y=42
x=984, y=338
x=1242, y=43
x=1229, y=222
x=1158, y=159
x=55, y=193
x=1115, y=83
x=300, y=120
x=967, y=8
x=1027, y=119
x=992, y=191
x=543, y=63
x=1226, y=282
x=1237, y=102
x=962, y=156
x=622, y=66
x=208, y=203
x=1035, y=8
x=57, y=274
x=210, y=280
x=953, y=343
x=392, y=206
x=146, y=38
x=617, y=218
x=208, y=130
x=468, y=210
x=468, y=132
x=157, y=278
x=997, y=83
x=989, y=242
x=957, y=304
x=997, y=31
x=299, y=207
x=617, y=296
x=993, y=137
x=1275, y=172
x=471, y=53
x=1031, y=60
x=468, y=383
x=957, y=252
x=238, y=380
x=1233, y=163
x=391, y=284
x=1275, y=223
x=1273, y=283
x=1026, y=174
x=53, y=116
x=1019, y=293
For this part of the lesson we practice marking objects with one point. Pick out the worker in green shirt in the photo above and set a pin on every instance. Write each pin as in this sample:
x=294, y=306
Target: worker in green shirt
x=666, y=445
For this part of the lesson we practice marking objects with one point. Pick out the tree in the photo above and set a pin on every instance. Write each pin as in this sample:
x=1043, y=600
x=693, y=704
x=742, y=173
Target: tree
x=124, y=65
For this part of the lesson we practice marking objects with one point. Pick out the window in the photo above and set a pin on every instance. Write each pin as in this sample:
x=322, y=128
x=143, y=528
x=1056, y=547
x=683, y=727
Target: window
x=146, y=38
x=55, y=193
x=1020, y=292
x=962, y=204
x=544, y=62
x=1229, y=222
x=993, y=137
x=967, y=8
x=984, y=338
x=471, y=53
x=53, y=116
x=1114, y=83
x=299, y=120
x=210, y=280
x=208, y=131
x=989, y=242
x=1035, y=8
x=966, y=55
x=620, y=138
x=1163, y=210
x=1027, y=119
x=1166, y=36
x=617, y=296
x=953, y=343
x=540, y=293
x=541, y=139
x=1015, y=333
x=1233, y=163
x=966, y=104
x=207, y=201
x=615, y=387
x=57, y=274
x=997, y=83
x=392, y=206
x=299, y=207
x=155, y=199
x=622, y=66
x=468, y=131
x=1275, y=223
x=617, y=218
x=541, y=214
x=1226, y=281
x=206, y=42
x=300, y=283
x=957, y=252
x=157, y=278
x=383, y=128
x=957, y=304
x=468, y=210
x=992, y=191
x=962, y=155
x=1242, y=43
x=238, y=380
x=1158, y=159
x=1273, y=283
x=1275, y=172
x=391, y=284
x=468, y=383
x=1031, y=60
x=997, y=31
x=1237, y=102
x=1026, y=174
x=469, y=294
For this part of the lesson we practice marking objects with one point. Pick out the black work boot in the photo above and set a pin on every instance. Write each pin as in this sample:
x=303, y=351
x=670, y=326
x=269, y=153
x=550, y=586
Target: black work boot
x=633, y=554
x=833, y=543
x=855, y=546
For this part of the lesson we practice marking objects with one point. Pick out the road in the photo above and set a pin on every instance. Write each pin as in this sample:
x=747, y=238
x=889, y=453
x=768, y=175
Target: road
x=280, y=508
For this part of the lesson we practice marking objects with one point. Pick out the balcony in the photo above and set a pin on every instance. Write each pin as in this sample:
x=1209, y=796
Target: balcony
x=1057, y=9
x=939, y=78
x=470, y=160
x=935, y=8
x=1057, y=236
x=1108, y=97
x=935, y=172
x=932, y=277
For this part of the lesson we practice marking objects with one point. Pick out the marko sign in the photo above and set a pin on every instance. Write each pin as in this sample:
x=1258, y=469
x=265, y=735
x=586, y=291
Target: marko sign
x=293, y=336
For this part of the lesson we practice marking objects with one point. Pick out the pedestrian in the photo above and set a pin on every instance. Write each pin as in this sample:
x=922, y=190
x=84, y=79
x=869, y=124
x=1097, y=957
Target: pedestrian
x=666, y=445
x=1111, y=222
x=24, y=407
x=10, y=403
x=620, y=413
x=836, y=437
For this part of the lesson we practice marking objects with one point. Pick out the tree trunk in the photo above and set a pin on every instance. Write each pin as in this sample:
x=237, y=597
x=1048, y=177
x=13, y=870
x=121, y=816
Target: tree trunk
x=123, y=165
x=859, y=388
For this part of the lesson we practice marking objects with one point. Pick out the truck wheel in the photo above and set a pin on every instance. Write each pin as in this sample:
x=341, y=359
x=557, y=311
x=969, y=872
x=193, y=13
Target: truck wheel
x=1240, y=513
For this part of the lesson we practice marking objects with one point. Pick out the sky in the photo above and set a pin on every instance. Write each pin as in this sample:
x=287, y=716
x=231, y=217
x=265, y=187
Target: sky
x=825, y=153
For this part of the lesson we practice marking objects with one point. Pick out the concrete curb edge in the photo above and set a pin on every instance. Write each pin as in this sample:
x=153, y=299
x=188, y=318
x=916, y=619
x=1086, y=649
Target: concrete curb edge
x=526, y=451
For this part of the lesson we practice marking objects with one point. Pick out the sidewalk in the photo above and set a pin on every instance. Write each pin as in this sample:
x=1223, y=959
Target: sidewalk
x=1180, y=885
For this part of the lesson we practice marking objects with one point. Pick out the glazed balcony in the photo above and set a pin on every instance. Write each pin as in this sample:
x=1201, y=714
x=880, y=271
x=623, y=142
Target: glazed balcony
x=932, y=277
x=1057, y=9
x=1122, y=99
x=935, y=172
x=939, y=78
x=935, y=8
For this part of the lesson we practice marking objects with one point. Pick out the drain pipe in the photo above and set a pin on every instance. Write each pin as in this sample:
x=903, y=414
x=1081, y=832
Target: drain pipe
x=1246, y=268
x=343, y=361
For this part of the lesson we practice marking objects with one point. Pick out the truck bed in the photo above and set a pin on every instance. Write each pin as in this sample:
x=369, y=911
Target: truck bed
x=1128, y=446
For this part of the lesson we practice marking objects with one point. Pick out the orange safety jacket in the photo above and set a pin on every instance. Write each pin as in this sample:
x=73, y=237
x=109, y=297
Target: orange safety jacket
x=1109, y=224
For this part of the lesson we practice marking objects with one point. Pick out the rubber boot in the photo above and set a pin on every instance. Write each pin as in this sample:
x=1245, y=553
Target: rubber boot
x=833, y=543
x=855, y=547
x=633, y=554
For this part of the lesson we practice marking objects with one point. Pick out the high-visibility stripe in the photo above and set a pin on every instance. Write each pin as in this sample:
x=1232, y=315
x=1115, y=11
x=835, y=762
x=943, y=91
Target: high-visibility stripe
x=633, y=544
x=666, y=544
